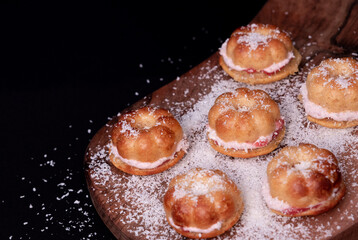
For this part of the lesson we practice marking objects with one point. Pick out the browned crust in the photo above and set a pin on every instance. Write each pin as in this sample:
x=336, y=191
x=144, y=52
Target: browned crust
x=250, y=152
x=321, y=209
x=330, y=123
x=260, y=77
x=137, y=171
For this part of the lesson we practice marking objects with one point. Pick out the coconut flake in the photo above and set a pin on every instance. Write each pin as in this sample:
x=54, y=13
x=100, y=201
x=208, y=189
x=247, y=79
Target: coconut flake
x=137, y=204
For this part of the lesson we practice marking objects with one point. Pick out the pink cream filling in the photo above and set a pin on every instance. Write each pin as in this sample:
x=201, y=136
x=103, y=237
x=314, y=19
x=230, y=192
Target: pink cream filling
x=319, y=112
x=259, y=143
x=182, y=145
x=269, y=70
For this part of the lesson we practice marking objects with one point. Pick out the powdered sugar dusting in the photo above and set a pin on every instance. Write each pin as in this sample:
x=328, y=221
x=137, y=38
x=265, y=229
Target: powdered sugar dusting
x=136, y=201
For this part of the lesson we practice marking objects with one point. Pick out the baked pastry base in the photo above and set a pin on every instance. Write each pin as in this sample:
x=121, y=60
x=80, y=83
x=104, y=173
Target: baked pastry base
x=260, y=77
x=330, y=123
x=116, y=161
x=249, y=153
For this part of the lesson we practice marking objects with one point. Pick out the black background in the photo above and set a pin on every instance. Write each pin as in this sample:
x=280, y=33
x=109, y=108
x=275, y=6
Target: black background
x=65, y=68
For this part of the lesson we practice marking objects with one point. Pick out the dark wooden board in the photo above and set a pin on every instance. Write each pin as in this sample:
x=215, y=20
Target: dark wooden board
x=319, y=29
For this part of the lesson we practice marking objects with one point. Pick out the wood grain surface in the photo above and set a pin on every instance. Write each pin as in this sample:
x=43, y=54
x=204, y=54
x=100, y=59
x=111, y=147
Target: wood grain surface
x=318, y=28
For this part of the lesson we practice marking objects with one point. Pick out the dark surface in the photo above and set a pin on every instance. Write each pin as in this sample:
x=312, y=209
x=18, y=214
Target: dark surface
x=66, y=68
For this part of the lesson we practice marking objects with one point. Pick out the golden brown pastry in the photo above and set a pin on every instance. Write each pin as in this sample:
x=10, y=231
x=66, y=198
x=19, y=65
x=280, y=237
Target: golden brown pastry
x=146, y=141
x=245, y=123
x=303, y=180
x=202, y=203
x=330, y=94
x=258, y=54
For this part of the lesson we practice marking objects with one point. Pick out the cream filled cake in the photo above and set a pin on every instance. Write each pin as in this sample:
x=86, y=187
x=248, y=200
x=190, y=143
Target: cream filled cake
x=245, y=123
x=303, y=180
x=258, y=54
x=202, y=203
x=146, y=141
x=330, y=94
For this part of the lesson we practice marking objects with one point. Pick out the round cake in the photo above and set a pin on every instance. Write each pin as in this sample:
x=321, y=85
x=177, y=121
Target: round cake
x=303, y=180
x=258, y=54
x=245, y=123
x=146, y=141
x=330, y=94
x=202, y=203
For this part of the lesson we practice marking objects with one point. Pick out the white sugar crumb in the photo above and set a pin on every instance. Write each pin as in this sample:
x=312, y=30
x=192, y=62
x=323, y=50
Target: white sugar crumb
x=50, y=163
x=195, y=183
x=147, y=218
x=346, y=77
x=253, y=40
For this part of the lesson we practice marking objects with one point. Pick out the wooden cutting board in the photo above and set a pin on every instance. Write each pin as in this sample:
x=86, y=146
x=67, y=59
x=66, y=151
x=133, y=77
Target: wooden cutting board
x=319, y=29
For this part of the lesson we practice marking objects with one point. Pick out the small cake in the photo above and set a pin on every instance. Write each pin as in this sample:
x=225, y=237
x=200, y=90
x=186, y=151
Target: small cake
x=202, y=203
x=303, y=180
x=330, y=94
x=259, y=54
x=146, y=141
x=245, y=123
